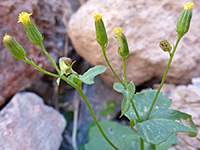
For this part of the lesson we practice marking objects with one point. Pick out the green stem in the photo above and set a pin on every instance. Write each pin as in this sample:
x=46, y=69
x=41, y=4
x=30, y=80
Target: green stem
x=133, y=105
x=139, y=120
x=135, y=110
x=104, y=54
x=124, y=69
x=164, y=77
x=141, y=144
x=40, y=69
x=49, y=57
x=94, y=118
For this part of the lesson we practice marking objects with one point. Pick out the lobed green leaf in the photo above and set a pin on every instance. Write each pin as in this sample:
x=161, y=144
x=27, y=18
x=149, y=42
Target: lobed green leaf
x=88, y=76
x=122, y=137
x=143, y=101
x=156, y=131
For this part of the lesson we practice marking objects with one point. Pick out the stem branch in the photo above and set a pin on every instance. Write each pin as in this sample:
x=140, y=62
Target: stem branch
x=141, y=144
x=95, y=119
x=49, y=57
x=40, y=69
x=164, y=77
x=133, y=105
x=104, y=54
x=124, y=69
x=135, y=110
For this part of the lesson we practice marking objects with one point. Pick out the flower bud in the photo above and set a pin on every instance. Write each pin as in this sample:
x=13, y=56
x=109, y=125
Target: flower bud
x=184, y=19
x=65, y=63
x=123, y=49
x=33, y=34
x=101, y=34
x=15, y=48
x=165, y=46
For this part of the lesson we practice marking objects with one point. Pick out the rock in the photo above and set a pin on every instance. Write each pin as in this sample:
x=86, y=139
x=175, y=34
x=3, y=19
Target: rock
x=186, y=99
x=48, y=17
x=145, y=24
x=26, y=123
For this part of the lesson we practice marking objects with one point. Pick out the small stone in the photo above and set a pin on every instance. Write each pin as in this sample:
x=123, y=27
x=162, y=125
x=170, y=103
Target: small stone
x=26, y=123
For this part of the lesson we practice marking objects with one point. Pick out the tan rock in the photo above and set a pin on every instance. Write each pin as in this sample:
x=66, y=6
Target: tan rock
x=27, y=124
x=47, y=15
x=145, y=24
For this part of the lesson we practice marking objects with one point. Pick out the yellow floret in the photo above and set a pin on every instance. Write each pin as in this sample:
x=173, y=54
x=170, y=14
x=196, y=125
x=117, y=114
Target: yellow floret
x=188, y=5
x=117, y=31
x=97, y=16
x=6, y=37
x=24, y=17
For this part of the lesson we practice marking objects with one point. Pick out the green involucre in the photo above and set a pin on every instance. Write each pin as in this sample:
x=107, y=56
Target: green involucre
x=33, y=34
x=184, y=22
x=14, y=47
x=101, y=34
x=165, y=46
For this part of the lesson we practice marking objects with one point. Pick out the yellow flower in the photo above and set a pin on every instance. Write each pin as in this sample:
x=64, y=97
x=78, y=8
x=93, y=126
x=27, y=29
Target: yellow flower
x=33, y=34
x=6, y=37
x=97, y=17
x=24, y=18
x=188, y=6
x=118, y=32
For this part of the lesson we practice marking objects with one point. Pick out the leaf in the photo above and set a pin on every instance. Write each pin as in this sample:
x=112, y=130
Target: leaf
x=74, y=79
x=58, y=80
x=156, y=131
x=88, y=77
x=111, y=103
x=121, y=136
x=184, y=118
x=171, y=141
x=106, y=112
x=162, y=122
x=119, y=88
x=130, y=91
x=143, y=101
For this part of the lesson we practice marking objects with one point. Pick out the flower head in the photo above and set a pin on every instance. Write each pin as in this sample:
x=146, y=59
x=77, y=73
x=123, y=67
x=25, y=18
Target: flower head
x=184, y=19
x=188, y=5
x=101, y=35
x=118, y=32
x=33, y=34
x=165, y=46
x=97, y=17
x=15, y=48
x=6, y=37
x=123, y=49
x=24, y=18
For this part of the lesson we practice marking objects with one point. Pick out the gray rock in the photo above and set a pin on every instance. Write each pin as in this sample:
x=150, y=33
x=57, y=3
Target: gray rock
x=27, y=124
x=48, y=16
x=145, y=23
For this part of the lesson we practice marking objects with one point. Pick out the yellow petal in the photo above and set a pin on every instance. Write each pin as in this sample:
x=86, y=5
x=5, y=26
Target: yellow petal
x=24, y=17
x=188, y=6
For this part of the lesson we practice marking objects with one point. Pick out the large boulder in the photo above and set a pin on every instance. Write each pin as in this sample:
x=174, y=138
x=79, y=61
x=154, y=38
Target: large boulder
x=145, y=23
x=48, y=17
x=26, y=123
